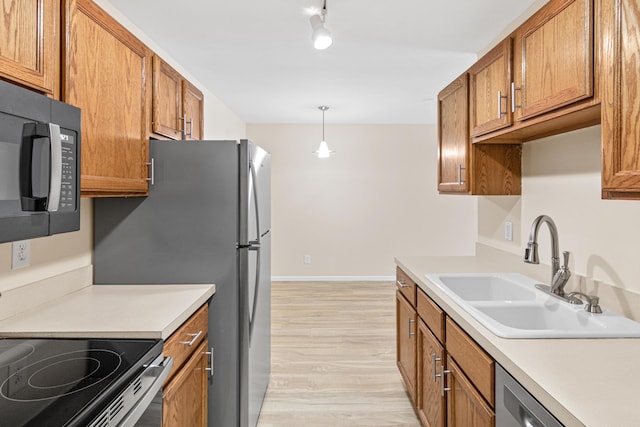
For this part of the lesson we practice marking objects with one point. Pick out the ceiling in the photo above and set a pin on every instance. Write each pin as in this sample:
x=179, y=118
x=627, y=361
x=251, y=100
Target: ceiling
x=388, y=61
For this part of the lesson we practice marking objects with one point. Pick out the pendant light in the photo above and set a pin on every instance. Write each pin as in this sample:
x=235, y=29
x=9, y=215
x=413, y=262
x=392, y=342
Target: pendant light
x=323, y=151
x=321, y=37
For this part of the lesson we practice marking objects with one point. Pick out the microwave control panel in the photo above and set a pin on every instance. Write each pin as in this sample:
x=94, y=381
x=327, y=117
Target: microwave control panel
x=70, y=172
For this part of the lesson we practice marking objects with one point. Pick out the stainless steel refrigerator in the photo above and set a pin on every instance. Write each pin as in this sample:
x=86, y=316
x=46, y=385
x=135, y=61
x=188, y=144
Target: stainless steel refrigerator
x=207, y=219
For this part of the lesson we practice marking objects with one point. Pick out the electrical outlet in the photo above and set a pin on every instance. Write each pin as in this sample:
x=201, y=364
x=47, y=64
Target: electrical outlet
x=307, y=259
x=508, y=231
x=21, y=254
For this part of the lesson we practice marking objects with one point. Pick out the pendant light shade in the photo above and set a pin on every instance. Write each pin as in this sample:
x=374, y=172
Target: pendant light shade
x=323, y=151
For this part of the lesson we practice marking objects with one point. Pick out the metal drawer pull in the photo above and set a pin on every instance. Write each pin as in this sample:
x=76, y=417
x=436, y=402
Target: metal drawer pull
x=442, y=375
x=435, y=359
x=195, y=338
x=401, y=283
x=409, y=324
x=210, y=368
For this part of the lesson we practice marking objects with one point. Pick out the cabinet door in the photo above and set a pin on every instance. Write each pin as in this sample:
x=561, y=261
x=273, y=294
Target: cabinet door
x=168, y=117
x=557, y=57
x=621, y=99
x=431, y=403
x=193, y=111
x=184, y=398
x=465, y=406
x=29, y=42
x=406, y=343
x=106, y=70
x=490, y=85
x=453, y=137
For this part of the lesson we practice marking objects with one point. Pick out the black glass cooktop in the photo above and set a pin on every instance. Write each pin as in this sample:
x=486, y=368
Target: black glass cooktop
x=65, y=382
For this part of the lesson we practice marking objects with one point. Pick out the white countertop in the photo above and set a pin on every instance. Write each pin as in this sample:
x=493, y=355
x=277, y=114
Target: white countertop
x=111, y=311
x=583, y=382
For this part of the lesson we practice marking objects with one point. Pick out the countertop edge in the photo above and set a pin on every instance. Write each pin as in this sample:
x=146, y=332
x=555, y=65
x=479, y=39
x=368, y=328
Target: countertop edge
x=105, y=311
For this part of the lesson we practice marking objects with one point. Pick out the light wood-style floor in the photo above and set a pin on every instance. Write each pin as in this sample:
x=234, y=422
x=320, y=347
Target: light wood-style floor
x=333, y=357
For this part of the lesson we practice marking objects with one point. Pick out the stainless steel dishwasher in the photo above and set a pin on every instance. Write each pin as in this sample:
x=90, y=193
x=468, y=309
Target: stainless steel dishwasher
x=515, y=407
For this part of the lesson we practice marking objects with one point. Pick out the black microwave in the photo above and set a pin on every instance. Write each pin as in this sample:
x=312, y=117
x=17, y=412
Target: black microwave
x=39, y=165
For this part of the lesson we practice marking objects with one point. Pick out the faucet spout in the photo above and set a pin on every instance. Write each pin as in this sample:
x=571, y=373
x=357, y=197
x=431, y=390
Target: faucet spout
x=559, y=275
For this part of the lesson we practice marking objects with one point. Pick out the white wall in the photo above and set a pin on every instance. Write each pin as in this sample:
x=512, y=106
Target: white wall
x=51, y=256
x=373, y=200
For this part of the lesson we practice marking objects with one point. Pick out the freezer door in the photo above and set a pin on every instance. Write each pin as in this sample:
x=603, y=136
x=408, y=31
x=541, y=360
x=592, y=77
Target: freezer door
x=255, y=197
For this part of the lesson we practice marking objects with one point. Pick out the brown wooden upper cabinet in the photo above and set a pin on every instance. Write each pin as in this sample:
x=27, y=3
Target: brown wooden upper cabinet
x=490, y=82
x=193, y=111
x=29, y=43
x=453, y=137
x=555, y=59
x=465, y=168
x=106, y=73
x=177, y=104
x=541, y=80
x=621, y=99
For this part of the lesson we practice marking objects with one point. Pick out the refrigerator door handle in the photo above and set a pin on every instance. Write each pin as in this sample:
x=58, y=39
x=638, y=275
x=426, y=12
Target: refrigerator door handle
x=256, y=289
x=254, y=180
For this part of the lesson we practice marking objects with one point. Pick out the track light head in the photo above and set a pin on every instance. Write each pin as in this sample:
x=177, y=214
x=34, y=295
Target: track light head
x=321, y=37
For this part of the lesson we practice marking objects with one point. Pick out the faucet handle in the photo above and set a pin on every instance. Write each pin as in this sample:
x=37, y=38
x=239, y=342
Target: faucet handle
x=565, y=257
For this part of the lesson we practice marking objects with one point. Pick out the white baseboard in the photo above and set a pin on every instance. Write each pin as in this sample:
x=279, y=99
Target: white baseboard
x=333, y=278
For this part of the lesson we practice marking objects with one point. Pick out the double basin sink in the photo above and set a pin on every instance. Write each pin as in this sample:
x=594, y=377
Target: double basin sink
x=510, y=306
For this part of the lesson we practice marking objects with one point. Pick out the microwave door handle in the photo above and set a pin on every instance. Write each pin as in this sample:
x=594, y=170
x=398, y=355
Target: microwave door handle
x=55, y=183
x=31, y=132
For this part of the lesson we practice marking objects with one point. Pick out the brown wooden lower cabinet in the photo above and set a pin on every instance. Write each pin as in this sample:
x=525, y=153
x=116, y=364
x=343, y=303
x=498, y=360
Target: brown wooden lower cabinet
x=431, y=403
x=465, y=406
x=448, y=376
x=406, y=343
x=185, y=396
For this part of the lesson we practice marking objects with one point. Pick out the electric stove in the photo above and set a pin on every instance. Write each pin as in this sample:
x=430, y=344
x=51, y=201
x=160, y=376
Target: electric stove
x=73, y=382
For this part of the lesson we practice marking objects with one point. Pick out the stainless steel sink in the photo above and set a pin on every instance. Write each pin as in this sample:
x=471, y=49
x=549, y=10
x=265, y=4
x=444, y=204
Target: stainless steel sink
x=510, y=306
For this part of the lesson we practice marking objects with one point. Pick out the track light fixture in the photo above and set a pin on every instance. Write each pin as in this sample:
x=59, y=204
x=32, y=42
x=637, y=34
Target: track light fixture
x=323, y=151
x=320, y=36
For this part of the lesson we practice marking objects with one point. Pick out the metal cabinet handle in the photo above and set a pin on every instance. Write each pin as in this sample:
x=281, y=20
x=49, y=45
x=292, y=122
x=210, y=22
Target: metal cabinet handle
x=210, y=368
x=513, y=97
x=184, y=126
x=500, y=98
x=409, y=327
x=443, y=372
x=152, y=172
x=435, y=359
x=460, y=169
x=190, y=123
x=401, y=283
x=195, y=338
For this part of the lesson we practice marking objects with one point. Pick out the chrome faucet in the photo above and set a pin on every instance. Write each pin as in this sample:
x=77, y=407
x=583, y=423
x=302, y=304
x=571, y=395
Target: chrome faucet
x=559, y=274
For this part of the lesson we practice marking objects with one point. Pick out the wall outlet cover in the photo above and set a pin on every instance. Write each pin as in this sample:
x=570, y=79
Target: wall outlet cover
x=21, y=254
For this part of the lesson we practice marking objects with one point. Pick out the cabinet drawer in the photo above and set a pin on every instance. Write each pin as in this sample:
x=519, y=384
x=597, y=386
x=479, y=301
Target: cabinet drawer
x=432, y=315
x=477, y=365
x=183, y=342
x=406, y=286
